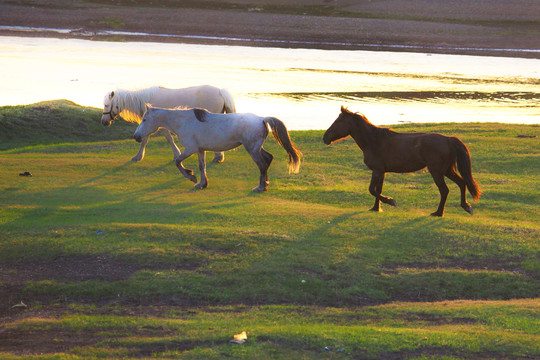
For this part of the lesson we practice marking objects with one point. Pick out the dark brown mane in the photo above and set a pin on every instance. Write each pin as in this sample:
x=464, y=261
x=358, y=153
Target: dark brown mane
x=381, y=132
x=200, y=114
x=377, y=132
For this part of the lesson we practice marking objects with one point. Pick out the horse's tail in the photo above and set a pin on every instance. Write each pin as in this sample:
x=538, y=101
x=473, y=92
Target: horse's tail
x=465, y=168
x=229, y=106
x=282, y=137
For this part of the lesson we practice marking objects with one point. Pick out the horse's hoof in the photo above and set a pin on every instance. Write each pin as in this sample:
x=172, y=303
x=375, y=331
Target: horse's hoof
x=392, y=202
x=200, y=186
x=189, y=175
x=376, y=209
x=258, y=189
x=135, y=159
x=218, y=158
x=468, y=209
x=436, y=214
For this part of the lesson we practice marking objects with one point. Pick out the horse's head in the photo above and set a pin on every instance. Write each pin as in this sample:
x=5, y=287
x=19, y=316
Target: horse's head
x=110, y=109
x=341, y=128
x=148, y=124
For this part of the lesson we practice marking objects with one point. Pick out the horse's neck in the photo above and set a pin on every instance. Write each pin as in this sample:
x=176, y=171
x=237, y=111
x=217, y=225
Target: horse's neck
x=363, y=135
x=134, y=101
x=170, y=121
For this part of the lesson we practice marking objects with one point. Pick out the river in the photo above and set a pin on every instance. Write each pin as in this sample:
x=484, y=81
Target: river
x=303, y=87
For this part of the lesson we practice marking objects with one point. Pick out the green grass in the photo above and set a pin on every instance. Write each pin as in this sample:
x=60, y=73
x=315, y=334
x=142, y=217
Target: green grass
x=55, y=122
x=121, y=259
x=445, y=330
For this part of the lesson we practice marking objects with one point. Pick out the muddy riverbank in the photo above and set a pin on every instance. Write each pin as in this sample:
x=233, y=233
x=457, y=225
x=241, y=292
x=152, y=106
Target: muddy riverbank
x=494, y=27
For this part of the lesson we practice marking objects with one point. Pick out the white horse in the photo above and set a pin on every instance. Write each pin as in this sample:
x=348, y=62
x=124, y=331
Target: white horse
x=131, y=106
x=200, y=131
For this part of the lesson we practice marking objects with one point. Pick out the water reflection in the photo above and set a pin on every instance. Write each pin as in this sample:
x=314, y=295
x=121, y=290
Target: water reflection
x=517, y=99
x=421, y=106
x=303, y=87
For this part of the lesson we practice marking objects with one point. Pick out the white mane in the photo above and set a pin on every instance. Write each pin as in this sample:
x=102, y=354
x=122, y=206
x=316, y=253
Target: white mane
x=132, y=103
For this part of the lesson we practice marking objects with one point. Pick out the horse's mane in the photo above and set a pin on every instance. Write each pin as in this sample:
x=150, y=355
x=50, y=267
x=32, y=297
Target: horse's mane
x=381, y=132
x=200, y=114
x=133, y=103
x=376, y=131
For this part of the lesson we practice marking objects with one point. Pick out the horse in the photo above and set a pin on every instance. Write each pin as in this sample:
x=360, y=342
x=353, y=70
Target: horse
x=388, y=151
x=131, y=106
x=199, y=131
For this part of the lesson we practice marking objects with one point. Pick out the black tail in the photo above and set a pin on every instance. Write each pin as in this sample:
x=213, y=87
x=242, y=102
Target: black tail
x=282, y=137
x=465, y=168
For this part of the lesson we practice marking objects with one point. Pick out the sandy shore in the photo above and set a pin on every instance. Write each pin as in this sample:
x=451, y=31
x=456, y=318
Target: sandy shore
x=483, y=27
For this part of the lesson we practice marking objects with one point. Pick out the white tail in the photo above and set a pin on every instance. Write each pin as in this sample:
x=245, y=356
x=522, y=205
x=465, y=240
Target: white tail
x=229, y=106
x=279, y=130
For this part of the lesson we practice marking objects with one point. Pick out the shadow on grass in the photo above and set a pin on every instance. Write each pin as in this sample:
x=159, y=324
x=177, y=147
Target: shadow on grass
x=352, y=258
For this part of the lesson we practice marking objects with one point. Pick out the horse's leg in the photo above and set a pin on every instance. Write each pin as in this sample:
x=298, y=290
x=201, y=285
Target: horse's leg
x=378, y=190
x=170, y=140
x=188, y=173
x=452, y=175
x=219, y=157
x=268, y=158
x=377, y=179
x=438, y=177
x=202, y=167
x=263, y=163
x=140, y=155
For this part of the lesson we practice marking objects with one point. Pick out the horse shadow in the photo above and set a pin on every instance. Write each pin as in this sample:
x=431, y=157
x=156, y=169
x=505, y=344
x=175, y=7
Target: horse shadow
x=104, y=174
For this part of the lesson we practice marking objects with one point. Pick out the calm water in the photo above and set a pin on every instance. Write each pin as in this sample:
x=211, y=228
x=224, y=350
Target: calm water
x=305, y=88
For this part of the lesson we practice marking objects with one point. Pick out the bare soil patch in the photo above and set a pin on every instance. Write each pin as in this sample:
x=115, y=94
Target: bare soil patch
x=72, y=268
x=58, y=340
x=77, y=268
x=33, y=342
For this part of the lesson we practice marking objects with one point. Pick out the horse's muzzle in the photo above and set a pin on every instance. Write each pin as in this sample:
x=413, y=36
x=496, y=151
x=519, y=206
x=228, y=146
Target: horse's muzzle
x=137, y=138
x=106, y=122
x=326, y=140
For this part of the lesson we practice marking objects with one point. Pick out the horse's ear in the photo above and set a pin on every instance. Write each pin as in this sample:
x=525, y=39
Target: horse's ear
x=112, y=94
x=344, y=110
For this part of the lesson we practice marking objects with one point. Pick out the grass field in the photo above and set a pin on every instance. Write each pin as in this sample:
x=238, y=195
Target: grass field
x=114, y=259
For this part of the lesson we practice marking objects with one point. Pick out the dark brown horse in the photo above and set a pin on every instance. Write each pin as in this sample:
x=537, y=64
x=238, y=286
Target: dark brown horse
x=388, y=151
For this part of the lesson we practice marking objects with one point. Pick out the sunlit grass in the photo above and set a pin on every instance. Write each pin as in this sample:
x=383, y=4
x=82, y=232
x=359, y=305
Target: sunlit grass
x=128, y=257
x=464, y=329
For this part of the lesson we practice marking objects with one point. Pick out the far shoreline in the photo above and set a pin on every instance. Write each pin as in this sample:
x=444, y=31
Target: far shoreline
x=126, y=36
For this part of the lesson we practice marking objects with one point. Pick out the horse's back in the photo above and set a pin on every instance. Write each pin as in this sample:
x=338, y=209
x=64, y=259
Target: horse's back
x=220, y=132
x=205, y=96
x=435, y=145
x=421, y=140
x=241, y=124
x=408, y=152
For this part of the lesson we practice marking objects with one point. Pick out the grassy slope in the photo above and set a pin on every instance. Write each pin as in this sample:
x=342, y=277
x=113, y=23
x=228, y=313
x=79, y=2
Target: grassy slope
x=297, y=252
x=52, y=122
